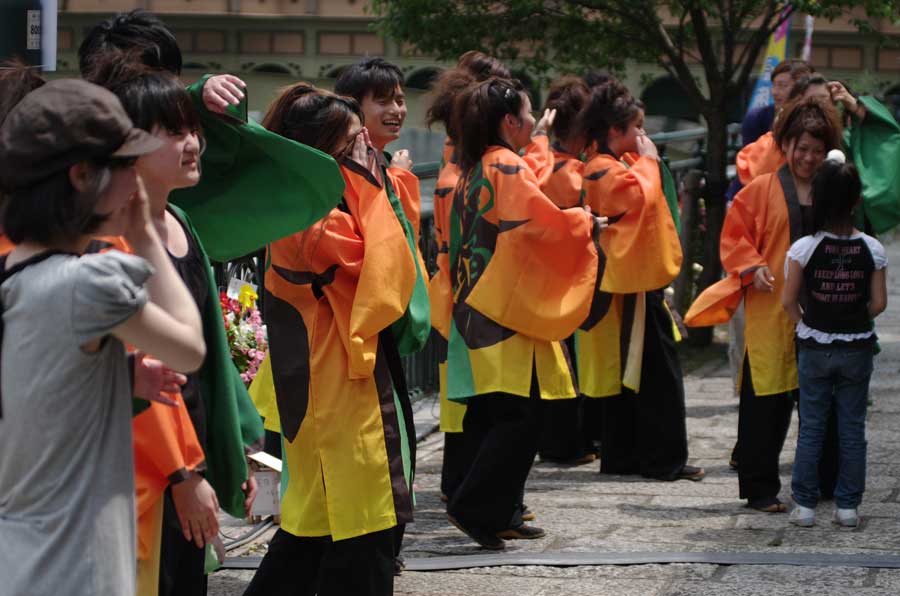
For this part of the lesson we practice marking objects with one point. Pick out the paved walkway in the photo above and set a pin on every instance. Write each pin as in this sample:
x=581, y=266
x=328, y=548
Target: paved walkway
x=583, y=511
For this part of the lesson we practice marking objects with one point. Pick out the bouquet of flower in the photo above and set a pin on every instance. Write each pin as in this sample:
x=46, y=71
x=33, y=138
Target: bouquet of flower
x=245, y=331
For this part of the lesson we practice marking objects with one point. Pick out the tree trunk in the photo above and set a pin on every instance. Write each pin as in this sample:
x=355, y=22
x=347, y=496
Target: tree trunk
x=684, y=283
x=716, y=185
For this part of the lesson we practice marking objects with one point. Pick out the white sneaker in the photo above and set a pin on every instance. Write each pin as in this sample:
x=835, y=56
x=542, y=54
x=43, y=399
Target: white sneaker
x=804, y=517
x=846, y=518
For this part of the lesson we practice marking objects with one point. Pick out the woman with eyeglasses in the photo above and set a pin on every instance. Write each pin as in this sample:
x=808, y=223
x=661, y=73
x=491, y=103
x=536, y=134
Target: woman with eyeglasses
x=524, y=275
x=202, y=464
x=627, y=357
x=333, y=295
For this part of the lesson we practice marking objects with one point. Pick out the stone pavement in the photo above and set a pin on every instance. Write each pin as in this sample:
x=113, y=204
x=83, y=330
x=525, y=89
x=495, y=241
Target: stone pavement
x=583, y=511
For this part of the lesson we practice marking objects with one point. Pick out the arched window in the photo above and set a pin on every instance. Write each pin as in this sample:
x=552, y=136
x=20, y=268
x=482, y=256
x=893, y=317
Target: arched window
x=423, y=78
x=272, y=68
x=337, y=71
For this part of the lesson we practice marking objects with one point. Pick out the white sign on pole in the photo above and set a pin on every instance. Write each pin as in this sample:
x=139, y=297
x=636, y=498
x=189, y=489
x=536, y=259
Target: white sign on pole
x=33, y=35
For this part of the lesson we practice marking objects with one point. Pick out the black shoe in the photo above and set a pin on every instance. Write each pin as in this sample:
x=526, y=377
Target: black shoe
x=691, y=473
x=767, y=505
x=523, y=532
x=485, y=539
x=399, y=565
x=527, y=514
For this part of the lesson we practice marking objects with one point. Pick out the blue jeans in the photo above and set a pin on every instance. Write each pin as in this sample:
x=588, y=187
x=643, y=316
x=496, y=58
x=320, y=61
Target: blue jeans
x=839, y=376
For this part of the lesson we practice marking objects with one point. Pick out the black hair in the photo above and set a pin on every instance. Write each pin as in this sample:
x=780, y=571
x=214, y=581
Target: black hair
x=803, y=83
x=836, y=190
x=473, y=67
x=51, y=210
x=567, y=95
x=371, y=75
x=138, y=32
x=152, y=98
x=478, y=112
x=795, y=67
x=610, y=105
x=595, y=78
x=314, y=117
x=16, y=81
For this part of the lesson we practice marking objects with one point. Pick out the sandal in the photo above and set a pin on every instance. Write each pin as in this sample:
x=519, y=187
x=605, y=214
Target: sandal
x=767, y=505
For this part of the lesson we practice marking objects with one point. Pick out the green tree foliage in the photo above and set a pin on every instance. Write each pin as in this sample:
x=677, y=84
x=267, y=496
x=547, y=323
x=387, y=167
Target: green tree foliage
x=724, y=37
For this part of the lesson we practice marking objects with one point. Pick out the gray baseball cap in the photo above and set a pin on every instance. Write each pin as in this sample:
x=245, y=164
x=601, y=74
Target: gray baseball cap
x=62, y=123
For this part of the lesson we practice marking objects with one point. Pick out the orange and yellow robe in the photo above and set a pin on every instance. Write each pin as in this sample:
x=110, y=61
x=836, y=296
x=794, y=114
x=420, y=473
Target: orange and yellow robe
x=643, y=253
x=538, y=157
x=762, y=222
x=333, y=293
x=762, y=156
x=564, y=185
x=524, y=276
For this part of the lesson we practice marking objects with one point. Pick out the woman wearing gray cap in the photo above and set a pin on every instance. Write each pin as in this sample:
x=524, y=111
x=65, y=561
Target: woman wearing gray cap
x=66, y=472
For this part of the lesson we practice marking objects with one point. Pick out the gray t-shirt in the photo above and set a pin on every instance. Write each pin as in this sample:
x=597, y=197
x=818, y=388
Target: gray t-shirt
x=66, y=468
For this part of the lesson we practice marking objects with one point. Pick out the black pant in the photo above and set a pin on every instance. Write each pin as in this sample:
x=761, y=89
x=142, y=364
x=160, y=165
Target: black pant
x=828, y=463
x=455, y=464
x=645, y=433
x=181, y=564
x=563, y=435
x=592, y=415
x=501, y=437
x=763, y=423
x=303, y=566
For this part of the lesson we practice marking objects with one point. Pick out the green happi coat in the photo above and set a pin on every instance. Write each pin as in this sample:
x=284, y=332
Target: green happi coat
x=256, y=186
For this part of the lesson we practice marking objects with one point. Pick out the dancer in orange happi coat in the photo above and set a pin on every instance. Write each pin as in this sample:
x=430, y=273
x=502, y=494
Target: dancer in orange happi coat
x=765, y=217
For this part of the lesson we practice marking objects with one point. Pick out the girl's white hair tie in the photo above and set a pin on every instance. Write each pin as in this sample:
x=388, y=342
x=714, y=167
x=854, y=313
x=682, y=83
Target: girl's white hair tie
x=837, y=155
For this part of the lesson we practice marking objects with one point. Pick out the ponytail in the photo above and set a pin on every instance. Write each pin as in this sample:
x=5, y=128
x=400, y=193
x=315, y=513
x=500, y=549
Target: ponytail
x=567, y=96
x=473, y=67
x=836, y=189
x=477, y=114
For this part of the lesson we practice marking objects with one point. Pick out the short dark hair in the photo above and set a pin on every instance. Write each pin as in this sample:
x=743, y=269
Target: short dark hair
x=371, y=75
x=610, y=105
x=52, y=210
x=313, y=116
x=138, y=31
x=151, y=97
x=478, y=112
x=836, y=189
x=567, y=95
x=795, y=67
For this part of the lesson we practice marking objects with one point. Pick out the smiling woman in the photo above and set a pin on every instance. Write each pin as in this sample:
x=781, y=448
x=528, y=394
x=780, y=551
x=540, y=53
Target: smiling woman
x=770, y=213
x=181, y=501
